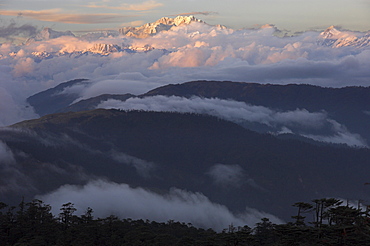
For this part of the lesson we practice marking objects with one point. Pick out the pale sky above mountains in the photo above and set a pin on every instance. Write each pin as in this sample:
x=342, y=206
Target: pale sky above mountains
x=294, y=15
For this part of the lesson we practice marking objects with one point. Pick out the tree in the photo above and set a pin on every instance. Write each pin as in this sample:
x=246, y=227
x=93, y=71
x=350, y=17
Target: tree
x=265, y=232
x=321, y=207
x=303, y=207
x=66, y=216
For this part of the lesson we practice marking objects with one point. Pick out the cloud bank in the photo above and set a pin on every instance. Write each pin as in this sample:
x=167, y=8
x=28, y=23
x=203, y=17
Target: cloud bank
x=184, y=53
x=107, y=198
x=240, y=112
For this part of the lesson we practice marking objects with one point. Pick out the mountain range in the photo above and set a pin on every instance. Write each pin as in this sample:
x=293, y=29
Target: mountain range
x=331, y=37
x=229, y=164
x=233, y=162
x=340, y=110
x=163, y=24
x=152, y=114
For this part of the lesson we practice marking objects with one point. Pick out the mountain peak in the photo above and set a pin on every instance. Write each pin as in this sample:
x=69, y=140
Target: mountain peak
x=179, y=20
x=335, y=38
x=163, y=24
x=105, y=48
x=330, y=32
x=48, y=33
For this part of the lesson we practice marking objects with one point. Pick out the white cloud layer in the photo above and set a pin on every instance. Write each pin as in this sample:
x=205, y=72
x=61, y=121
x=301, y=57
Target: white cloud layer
x=225, y=109
x=184, y=53
x=107, y=198
x=241, y=112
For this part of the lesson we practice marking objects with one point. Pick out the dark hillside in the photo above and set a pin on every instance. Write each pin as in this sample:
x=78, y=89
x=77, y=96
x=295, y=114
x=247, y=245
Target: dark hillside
x=347, y=105
x=183, y=148
x=288, y=97
x=47, y=101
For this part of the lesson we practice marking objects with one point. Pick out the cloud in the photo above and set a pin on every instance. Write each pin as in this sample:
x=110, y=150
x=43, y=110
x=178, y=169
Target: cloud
x=107, y=198
x=13, y=30
x=12, y=111
x=227, y=175
x=231, y=176
x=199, y=13
x=226, y=109
x=143, y=168
x=341, y=136
x=57, y=15
x=301, y=120
x=181, y=54
x=12, y=178
x=144, y=6
x=6, y=154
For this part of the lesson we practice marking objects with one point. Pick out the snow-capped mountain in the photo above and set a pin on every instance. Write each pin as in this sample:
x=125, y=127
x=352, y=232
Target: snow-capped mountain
x=105, y=48
x=335, y=38
x=163, y=24
x=141, y=39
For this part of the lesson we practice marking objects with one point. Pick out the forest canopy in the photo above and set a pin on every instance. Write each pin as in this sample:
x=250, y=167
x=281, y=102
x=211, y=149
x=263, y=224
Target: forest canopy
x=32, y=223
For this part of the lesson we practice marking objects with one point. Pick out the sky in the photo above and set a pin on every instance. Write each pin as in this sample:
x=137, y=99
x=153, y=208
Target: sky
x=293, y=15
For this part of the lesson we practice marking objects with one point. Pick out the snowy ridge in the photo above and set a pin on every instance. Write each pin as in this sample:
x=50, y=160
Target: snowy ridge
x=163, y=24
x=105, y=48
x=335, y=38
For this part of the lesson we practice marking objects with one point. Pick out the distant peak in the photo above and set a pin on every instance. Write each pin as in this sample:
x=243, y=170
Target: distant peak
x=163, y=24
x=179, y=20
x=267, y=26
x=48, y=33
x=330, y=32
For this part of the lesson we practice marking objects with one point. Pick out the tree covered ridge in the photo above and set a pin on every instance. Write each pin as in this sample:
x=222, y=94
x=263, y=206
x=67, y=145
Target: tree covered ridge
x=33, y=223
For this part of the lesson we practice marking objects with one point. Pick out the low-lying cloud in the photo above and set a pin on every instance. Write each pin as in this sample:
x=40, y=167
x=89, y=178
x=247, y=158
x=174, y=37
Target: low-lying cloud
x=6, y=155
x=225, y=109
x=341, y=136
x=231, y=176
x=107, y=198
x=227, y=175
x=142, y=167
x=240, y=112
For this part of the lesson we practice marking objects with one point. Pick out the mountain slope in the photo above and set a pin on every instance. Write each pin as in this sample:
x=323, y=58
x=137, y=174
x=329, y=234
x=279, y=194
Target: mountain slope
x=335, y=112
x=332, y=37
x=49, y=101
x=347, y=105
x=162, y=150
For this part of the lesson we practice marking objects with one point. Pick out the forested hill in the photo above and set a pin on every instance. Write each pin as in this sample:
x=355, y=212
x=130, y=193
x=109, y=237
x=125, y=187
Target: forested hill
x=346, y=109
x=179, y=150
x=347, y=105
x=291, y=96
